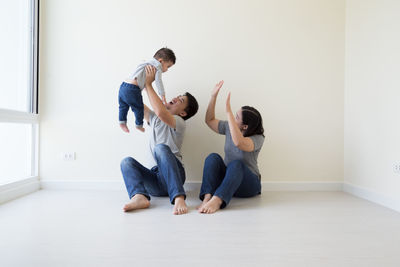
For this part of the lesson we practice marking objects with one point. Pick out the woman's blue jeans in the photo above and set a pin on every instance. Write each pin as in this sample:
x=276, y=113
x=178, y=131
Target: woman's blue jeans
x=164, y=179
x=222, y=181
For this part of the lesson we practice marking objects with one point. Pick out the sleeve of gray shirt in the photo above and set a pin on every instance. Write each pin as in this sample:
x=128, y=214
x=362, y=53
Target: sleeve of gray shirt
x=258, y=141
x=223, y=127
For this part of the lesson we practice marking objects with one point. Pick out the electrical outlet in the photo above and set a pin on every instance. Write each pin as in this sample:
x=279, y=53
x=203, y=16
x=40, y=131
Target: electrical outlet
x=68, y=156
x=396, y=168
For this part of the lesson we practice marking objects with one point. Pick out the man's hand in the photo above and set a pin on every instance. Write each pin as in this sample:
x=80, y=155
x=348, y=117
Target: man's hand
x=164, y=100
x=150, y=74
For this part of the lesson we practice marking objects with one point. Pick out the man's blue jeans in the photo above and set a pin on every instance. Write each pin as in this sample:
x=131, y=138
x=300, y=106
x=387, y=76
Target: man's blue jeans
x=164, y=179
x=130, y=95
x=222, y=181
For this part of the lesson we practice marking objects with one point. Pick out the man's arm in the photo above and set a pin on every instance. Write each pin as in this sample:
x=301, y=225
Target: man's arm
x=159, y=109
x=146, y=113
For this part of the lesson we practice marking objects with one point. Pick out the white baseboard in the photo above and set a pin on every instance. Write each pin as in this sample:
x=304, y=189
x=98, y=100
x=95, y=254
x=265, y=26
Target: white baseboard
x=18, y=189
x=372, y=196
x=191, y=185
x=21, y=188
x=302, y=186
x=100, y=185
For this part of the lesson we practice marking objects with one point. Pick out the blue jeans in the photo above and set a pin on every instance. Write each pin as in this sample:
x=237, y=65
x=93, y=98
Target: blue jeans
x=222, y=181
x=130, y=95
x=164, y=179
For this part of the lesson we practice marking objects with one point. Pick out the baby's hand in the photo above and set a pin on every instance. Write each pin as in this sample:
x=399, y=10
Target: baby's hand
x=164, y=100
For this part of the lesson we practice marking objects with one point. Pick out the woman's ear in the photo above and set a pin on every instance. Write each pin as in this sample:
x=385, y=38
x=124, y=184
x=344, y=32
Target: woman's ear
x=244, y=127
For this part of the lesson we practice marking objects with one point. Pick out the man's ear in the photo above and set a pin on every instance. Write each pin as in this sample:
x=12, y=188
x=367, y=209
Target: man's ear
x=245, y=126
x=183, y=114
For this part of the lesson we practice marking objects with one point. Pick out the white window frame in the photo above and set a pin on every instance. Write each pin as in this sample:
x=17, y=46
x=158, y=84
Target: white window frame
x=27, y=184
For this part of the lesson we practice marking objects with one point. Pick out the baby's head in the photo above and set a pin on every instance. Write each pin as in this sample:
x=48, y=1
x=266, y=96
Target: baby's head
x=166, y=57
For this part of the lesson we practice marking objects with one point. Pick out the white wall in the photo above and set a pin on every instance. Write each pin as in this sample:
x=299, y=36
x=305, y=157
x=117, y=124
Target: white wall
x=372, y=93
x=286, y=58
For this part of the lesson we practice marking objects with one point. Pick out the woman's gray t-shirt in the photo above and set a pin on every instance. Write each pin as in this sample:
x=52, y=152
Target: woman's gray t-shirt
x=234, y=153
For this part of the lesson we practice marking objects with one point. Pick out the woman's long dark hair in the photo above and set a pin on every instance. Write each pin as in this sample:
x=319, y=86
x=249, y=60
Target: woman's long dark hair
x=252, y=118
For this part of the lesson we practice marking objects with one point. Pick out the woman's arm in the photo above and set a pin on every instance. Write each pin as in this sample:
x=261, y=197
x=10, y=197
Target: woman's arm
x=241, y=142
x=211, y=121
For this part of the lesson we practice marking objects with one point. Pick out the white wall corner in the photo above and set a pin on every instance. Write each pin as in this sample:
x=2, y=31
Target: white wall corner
x=377, y=198
x=18, y=189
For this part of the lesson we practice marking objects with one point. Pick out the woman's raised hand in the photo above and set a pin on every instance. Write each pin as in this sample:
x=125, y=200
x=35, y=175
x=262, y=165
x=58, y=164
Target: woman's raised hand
x=228, y=103
x=218, y=86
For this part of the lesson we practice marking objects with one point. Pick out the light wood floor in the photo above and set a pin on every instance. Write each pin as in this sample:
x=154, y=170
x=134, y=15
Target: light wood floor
x=88, y=228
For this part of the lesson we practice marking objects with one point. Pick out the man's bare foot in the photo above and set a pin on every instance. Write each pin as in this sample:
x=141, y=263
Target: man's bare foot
x=124, y=127
x=138, y=201
x=211, y=206
x=207, y=198
x=140, y=129
x=180, y=206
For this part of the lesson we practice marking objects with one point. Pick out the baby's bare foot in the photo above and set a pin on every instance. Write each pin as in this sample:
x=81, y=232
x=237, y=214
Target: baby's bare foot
x=124, y=127
x=140, y=129
x=207, y=198
x=211, y=206
x=180, y=206
x=138, y=201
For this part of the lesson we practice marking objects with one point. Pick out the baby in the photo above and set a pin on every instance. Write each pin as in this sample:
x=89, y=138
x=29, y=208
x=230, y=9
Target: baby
x=130, y=91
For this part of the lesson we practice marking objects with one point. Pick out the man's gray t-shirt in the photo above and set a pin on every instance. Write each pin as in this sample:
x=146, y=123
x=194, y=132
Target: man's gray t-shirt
x=234, y=153
x=161, y=133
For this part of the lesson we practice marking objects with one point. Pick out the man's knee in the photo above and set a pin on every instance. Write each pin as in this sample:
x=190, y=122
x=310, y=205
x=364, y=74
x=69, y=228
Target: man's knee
x=161, y=149
x=128, y=161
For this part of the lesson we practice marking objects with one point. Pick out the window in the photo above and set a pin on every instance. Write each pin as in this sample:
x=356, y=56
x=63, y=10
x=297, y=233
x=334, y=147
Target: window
x=18, y=90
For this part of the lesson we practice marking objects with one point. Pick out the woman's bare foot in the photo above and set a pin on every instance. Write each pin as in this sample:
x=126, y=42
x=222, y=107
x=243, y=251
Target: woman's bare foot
x=207, y=198
x=180, y=206
x=212, y=205
x=138, y=201
x=124, y=127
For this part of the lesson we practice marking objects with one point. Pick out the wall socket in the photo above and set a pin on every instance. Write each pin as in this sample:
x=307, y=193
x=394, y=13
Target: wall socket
x=68, y=156
x=396, y=168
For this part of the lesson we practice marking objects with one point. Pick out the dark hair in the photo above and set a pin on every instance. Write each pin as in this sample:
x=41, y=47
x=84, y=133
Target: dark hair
x=192, y=106
x=165, y=54
x=252, y=118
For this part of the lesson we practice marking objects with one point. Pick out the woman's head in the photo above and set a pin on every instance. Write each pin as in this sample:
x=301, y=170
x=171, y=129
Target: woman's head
x=249, y=121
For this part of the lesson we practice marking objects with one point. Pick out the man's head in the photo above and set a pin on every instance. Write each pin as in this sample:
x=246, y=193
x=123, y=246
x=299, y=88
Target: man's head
x=185, y=106
x=166, y=57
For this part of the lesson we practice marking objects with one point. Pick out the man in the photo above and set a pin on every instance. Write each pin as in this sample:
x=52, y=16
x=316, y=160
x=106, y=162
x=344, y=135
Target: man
x=167, y=125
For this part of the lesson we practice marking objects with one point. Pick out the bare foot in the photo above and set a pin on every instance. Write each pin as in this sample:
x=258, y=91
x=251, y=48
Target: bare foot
x=138, y=201
x=180, y=206
x=140, y=129
x=211, y=206
x=124, y=127
x=207, y=198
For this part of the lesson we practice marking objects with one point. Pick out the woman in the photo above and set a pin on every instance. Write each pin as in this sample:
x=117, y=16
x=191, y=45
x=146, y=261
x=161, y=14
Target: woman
x=237, y=175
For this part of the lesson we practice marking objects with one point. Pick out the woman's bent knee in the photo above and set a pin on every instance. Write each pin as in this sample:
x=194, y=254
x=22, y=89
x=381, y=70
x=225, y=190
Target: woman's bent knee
x=236, y=164
x=213, y=157
x=161, y=149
